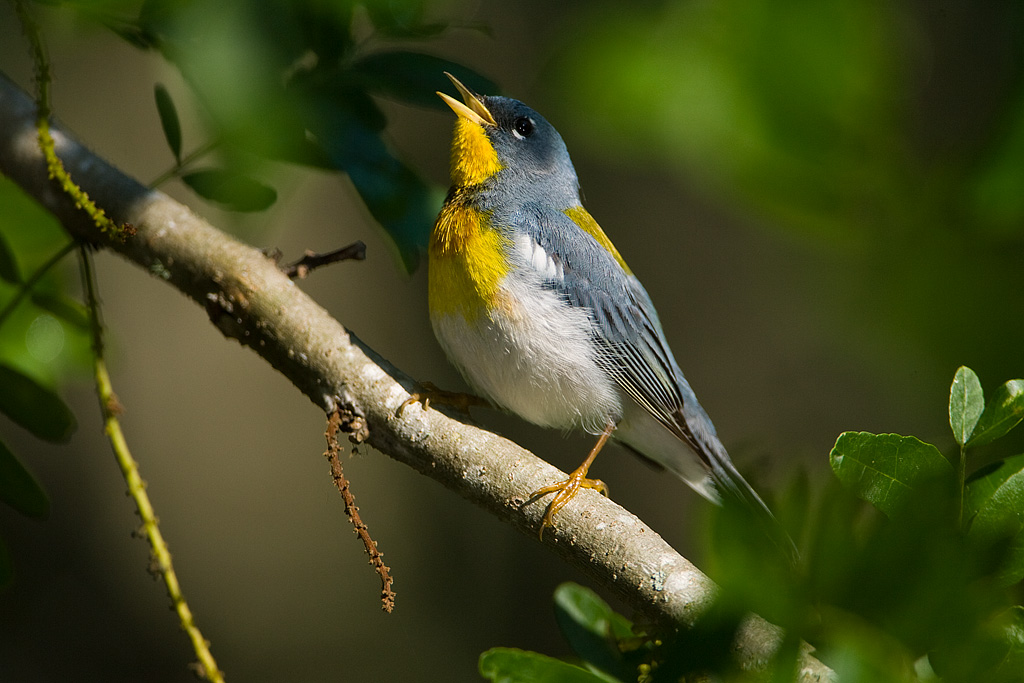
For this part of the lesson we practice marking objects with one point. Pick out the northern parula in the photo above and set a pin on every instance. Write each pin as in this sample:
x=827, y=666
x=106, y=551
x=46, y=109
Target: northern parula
x=539, y=311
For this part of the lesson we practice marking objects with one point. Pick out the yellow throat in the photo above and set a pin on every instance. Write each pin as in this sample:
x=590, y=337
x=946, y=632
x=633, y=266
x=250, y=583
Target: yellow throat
x=467, y=255
x=474, y=159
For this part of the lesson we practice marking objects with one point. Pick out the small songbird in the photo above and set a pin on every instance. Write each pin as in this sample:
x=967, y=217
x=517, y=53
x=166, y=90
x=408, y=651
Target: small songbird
x=538, y=310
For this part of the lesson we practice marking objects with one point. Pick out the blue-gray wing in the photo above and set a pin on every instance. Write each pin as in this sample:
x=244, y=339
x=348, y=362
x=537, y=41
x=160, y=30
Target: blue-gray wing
x=626, y=328
x=633, y=347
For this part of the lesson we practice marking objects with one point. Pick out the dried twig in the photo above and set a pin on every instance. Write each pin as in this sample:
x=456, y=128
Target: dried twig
x=312, y=260
x=334, y=425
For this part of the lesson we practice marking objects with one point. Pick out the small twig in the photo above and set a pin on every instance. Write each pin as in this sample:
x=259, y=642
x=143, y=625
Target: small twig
x=301, y=268
x=334, y=425
x=176, y=170
x=961, y=482
x=111, y=408
x=26, y=287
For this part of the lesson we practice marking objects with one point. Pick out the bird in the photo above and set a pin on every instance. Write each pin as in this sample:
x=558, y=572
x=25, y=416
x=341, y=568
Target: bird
x=540, y=313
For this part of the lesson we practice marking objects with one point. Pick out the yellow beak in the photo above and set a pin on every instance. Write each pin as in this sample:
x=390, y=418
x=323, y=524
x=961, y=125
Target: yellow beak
x=473, y=109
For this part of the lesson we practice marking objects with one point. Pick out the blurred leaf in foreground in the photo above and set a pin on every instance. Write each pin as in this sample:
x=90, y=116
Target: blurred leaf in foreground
x=34, y=407
x=19, y=489
x=508, y=665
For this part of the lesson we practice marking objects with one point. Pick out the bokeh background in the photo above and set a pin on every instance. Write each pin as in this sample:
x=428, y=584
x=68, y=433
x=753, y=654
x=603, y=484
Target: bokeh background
x=824, y=199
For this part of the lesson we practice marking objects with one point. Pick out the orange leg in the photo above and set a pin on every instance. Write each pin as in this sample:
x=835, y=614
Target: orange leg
x=566, y=490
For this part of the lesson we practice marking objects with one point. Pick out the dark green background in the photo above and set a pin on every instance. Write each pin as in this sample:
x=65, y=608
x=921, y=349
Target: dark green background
x=824, y=199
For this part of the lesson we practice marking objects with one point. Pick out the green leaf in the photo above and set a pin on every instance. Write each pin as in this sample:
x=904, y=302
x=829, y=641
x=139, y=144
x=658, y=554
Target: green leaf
x=169, y=120
x=34, y=407
x=987, y=480
x=19, y=489
x=1001, y=518
x=509, y=665
x=415, y=78
x=884, y=469
x=235, y=191
x=1004, y=411
x=9, y=271
x=966, y=403
x=1013, y=631
x=592, y=628
x=993, y=652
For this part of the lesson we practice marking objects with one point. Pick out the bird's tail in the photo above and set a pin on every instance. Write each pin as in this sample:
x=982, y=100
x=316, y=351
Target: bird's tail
x=734, y=489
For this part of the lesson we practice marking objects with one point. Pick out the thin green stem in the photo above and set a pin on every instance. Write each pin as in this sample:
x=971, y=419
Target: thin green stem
x=185, y=161
x=27, y=285
x=960, y=484
x=110, y=408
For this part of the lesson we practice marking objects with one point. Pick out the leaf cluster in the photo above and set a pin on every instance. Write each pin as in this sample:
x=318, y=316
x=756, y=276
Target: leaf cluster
x=299, y=82
x=919, y=587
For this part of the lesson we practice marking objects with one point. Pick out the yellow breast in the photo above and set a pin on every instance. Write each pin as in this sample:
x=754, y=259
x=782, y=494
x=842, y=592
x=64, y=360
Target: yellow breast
x=467, y=262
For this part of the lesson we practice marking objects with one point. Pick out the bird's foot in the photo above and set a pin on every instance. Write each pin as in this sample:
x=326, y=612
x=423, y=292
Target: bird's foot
x=431, y=394
x=565, y=491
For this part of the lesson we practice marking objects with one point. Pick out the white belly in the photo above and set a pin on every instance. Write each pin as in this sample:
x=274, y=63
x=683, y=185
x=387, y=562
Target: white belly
x=538, y=364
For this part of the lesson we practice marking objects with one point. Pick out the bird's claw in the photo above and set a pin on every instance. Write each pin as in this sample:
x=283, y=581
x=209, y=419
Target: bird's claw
x=565, y=491
x=429, y=393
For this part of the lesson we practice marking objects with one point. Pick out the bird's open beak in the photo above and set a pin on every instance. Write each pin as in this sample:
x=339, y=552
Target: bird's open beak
x=473, y=109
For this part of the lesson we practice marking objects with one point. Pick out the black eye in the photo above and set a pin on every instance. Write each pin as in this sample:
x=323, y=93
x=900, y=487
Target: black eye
x=524, y=126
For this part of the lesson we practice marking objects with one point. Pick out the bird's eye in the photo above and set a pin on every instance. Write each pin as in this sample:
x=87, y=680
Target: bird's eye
x=523, y=127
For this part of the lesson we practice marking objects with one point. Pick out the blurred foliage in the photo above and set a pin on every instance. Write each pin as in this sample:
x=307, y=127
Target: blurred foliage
x=295, y=81
x=279, y=81
x=44, y=334
x=889, y=136
x=42, y=339
x=909, y=595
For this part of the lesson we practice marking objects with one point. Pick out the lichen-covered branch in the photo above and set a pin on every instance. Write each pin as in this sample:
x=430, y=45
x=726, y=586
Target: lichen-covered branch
x=249, y=299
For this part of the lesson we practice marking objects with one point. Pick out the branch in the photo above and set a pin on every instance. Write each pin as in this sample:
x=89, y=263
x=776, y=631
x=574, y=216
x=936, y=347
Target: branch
x=249, y=299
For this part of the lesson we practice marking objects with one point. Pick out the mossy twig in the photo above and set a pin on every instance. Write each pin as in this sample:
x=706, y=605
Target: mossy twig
x=54, y=165
x=111, y=408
